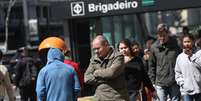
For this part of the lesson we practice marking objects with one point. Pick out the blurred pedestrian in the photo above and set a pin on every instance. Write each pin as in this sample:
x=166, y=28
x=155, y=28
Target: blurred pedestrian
x=161, y=64
x=5, y=82
x=188, y=70
x=146, y=55
x=12, y=62
x=137, y=50
x=185, y=30
x=106, y=72
x=56, y=80
x=136, y=76
x=25, y=76
x=75, y=65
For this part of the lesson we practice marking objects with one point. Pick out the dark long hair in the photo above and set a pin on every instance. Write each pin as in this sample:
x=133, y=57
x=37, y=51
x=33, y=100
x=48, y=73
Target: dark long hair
x=127, y=42
x=189, y=36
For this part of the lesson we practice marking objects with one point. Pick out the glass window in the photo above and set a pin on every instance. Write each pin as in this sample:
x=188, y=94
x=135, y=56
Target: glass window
x=140, y=26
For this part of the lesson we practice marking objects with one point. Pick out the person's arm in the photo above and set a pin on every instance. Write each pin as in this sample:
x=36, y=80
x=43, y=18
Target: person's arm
x=89, y=78
x=40, y=87
x=9, y=88
x=115, y=70
x=33, y=70
x=146, y=80
x=18, y=72
x=178, y=74
x=196, y=60
x=80, y=75
x=152, y=67
x=77, y=87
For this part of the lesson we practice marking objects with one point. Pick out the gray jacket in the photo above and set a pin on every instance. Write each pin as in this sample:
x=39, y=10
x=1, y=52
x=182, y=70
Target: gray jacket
x=108, y=77
x=162, y=62
x=188, y=73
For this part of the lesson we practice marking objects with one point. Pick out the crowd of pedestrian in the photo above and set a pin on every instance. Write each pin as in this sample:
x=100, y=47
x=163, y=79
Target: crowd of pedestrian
x=164, y=70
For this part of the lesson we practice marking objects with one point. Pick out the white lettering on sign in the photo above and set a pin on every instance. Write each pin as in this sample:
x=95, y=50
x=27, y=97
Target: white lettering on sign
x=104, y=8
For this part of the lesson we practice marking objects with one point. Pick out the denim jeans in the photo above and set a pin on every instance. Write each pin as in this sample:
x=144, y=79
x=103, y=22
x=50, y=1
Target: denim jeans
x=171, y=92
x=196, y=97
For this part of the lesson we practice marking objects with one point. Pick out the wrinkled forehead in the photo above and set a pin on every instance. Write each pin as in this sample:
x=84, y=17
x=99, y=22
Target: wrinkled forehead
x=96, y=43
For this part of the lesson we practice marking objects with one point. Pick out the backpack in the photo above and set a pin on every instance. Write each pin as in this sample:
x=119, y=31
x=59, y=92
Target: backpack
x=29, y=74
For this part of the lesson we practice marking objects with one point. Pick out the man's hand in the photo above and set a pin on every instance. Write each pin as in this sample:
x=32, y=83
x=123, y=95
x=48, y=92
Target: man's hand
x=95, y=73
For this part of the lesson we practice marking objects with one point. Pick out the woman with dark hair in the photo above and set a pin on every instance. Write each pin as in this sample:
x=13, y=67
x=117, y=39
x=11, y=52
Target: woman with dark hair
x=136, y=76
x=188, y=70
x=124, y=46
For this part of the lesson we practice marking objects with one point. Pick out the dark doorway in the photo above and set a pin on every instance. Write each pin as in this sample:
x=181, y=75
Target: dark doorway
x=80, y=42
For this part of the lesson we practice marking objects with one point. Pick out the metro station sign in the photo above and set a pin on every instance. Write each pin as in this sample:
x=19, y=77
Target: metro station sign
x=81, y=8
x=93, y=8
x=117, y=5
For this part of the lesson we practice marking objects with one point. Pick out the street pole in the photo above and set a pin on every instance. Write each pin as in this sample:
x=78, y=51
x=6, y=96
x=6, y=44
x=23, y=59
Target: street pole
x=10, y=5
x=26, y=26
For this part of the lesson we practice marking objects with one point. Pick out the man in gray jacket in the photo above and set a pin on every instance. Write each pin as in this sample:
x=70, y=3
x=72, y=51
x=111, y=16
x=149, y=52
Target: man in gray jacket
x=161, y=64
x=106, y=72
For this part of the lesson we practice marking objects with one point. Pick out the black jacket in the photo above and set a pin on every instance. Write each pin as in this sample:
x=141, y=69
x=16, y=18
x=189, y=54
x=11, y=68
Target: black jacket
x=24, y=64
x=136, y=75
x=162, y=62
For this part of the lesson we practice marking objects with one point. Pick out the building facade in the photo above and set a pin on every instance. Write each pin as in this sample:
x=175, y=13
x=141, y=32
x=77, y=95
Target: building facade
x=79, y=21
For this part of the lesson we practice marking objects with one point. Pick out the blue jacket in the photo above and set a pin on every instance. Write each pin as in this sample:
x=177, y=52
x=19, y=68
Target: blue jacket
x=57, y=81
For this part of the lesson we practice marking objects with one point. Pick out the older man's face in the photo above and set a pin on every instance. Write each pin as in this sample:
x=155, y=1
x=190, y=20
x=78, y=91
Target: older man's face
x=100, y=49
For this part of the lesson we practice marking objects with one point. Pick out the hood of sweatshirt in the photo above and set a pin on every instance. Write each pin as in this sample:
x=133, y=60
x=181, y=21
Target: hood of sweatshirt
x=54, y=54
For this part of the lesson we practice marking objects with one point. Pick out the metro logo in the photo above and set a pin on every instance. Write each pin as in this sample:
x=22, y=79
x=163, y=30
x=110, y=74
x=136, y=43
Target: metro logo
x=77, y=9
